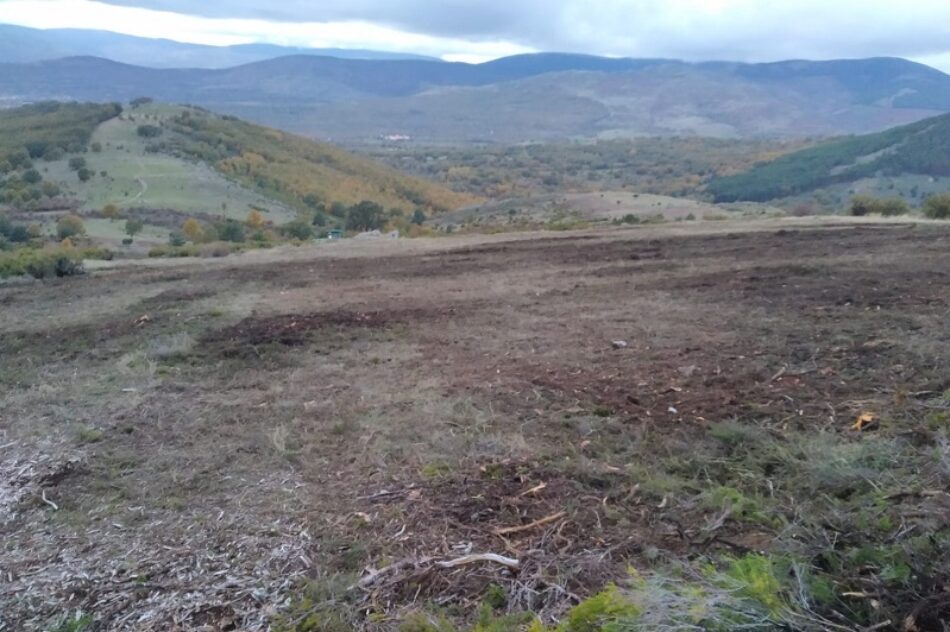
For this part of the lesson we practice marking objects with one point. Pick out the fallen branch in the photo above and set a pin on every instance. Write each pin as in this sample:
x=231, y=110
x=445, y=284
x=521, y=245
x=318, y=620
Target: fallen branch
x=412, y=564
x=479, y=557
x=48, y=501
x=531, y=525
x=533, y=490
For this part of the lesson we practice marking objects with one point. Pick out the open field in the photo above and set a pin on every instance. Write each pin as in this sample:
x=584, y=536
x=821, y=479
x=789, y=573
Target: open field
x=139, y=178
x=599, y=207
x=235, y=443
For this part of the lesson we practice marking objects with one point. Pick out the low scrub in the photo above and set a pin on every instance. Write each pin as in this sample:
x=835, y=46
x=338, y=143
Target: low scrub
x=41, y=264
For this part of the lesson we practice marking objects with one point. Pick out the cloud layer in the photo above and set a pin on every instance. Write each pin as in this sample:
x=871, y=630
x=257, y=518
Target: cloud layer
x=747, y=30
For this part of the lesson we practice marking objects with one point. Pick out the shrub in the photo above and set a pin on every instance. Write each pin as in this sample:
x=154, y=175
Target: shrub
x=230, y=230
x=110, y=211
x=40, y=264
x=596, y=613
x=149, y=131
x=298, y=229
x=937, y=206
x=192, y=229
x=77, y=163
x=70, y=226
x=133, y=226
x=176, y=239
x=862, y=205
x=756, y=577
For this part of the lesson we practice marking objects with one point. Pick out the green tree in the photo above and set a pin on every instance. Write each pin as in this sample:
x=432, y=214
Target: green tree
x=298, y=229
x=32, y=176
x=176, y=239
x=365, y=216
x=84, y=174
x=111, y=211
x=133, y=226
x=230, y=230
x=77, y=162
x=418, y=217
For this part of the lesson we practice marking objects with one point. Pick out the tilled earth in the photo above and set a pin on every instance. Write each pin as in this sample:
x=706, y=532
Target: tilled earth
x=183, y=446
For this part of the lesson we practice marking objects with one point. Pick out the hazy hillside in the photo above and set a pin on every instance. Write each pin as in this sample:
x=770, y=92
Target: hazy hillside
x=528, y=97
x=20, y=44
x=45, y=129
x=920, y=149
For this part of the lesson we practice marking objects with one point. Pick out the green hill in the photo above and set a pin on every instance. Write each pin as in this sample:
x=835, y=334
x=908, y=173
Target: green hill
x=919, y=149
x=187, y=161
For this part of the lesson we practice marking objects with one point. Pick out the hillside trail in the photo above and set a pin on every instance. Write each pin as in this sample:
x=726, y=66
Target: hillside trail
x=141, y=180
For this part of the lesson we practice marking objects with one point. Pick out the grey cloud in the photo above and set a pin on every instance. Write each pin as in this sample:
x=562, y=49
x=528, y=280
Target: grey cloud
x=739, y=29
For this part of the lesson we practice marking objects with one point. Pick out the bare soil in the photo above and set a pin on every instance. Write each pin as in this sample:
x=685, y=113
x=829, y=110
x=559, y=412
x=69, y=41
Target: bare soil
x=186, y=445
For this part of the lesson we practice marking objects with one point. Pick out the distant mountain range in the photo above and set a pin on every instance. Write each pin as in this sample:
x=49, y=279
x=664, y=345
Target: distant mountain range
x=538, y=97
x=20, y=44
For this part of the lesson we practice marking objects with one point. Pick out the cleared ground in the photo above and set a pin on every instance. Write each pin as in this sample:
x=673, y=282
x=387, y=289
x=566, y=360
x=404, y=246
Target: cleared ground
x=187, y=444
x=597, y=207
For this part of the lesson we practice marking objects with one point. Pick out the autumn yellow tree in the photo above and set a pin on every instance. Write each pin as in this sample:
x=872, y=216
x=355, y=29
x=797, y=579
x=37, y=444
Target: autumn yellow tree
x=192, y=229
x=111, y=211
x=255, y=220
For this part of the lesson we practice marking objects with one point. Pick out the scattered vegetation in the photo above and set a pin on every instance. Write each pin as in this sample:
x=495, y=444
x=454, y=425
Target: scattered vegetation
x=296, y=171
x=887, y=207
x=664, y=166
x=41, y=263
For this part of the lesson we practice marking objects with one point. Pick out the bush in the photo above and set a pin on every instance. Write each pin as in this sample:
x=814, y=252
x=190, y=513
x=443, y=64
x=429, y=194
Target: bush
x=176, y=239
x=298, y=229
x=149, y=131
x=40, y=264
x=937, y=206
x=230, y=230
x=70, y=226
x=862, y=205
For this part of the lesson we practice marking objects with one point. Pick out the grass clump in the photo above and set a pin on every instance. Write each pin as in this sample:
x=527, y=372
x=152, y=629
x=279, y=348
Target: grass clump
x=601, y=612
x=77, y=622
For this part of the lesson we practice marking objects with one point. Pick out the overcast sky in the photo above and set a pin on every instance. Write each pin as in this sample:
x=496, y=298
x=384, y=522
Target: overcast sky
x=475, y=30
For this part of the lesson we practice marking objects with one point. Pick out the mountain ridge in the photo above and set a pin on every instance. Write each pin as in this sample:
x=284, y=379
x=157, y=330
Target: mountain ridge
x=20, y=44
x=524, y=98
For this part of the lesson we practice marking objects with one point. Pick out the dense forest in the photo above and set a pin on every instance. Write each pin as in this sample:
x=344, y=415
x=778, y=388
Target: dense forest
x=921, y=148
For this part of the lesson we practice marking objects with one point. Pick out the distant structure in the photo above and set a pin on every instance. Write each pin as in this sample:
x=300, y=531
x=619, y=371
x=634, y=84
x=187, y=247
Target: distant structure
x=395, y=138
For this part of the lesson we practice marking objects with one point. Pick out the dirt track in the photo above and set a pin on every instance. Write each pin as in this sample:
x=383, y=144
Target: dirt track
x=281, y=417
